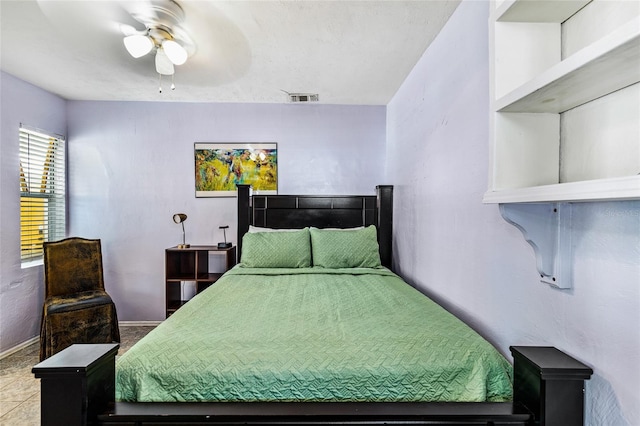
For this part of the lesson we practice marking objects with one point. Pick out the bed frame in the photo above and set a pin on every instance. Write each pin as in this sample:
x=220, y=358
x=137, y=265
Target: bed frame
x=78, y=383
x=321, y=211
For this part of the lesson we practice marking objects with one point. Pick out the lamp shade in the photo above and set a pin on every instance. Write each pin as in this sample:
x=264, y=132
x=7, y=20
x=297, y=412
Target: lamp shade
x=176, y=53
x=138, y=45
x=163, y=64
x=179, y=217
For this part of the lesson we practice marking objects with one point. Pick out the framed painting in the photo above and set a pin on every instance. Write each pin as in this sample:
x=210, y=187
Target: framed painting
x=222, y=166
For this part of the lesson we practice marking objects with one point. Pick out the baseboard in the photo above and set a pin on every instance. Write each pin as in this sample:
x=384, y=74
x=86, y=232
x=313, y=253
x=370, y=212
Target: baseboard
x=36, y=338
x=138, y=323
x=19, y=347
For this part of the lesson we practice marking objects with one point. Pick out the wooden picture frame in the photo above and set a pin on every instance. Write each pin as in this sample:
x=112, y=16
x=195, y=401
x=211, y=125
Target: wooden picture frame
x=220, y=167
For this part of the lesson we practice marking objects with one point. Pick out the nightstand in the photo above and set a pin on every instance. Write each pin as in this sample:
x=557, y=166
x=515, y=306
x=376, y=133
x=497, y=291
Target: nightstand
x=191, y=265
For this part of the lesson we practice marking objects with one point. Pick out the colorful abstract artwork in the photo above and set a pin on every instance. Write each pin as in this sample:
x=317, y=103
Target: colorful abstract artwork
x=222, y=166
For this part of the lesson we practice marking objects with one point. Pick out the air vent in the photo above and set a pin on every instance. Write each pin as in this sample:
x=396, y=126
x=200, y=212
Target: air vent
x=303, y=97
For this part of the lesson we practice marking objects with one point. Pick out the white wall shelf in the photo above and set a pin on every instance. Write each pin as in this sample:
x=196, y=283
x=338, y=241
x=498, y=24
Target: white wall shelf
x=538, y=11
x=565, y=117
x=579, y=78
x=539, y=99
x=624, y=188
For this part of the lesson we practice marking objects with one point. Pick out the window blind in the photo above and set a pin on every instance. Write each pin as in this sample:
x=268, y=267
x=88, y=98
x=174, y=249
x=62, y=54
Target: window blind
x=42, y=191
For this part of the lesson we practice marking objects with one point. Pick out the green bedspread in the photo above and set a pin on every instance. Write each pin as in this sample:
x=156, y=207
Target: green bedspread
x=312, y=335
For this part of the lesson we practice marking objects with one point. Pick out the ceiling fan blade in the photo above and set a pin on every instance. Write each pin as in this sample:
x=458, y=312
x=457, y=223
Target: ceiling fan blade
x=184, y=40
x=128, y=30
x=86, y=17
x=223, y=53
x=140, y=10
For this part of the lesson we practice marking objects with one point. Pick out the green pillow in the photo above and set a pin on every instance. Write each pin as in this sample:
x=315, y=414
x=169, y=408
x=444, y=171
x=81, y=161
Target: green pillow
x=353, y=248
x=287, y=249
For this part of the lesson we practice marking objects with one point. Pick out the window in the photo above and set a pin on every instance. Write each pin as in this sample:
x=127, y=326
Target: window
x=42, y=191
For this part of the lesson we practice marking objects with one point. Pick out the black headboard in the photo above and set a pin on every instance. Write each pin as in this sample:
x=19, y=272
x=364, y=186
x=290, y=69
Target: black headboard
x=321, y=211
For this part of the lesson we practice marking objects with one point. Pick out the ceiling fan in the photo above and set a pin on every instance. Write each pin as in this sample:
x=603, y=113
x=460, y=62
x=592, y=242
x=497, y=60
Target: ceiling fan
x=217, y=51
x=163, y=34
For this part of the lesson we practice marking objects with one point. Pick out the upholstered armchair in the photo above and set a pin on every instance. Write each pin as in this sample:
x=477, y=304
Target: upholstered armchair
x=77, y=309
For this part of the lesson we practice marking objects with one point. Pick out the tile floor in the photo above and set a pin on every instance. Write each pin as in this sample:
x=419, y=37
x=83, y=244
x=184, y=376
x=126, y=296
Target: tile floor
x=20, y=390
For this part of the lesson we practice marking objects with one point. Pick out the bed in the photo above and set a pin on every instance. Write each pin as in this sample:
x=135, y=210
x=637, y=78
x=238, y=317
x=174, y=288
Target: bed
x=320, y=330
x=304, y=334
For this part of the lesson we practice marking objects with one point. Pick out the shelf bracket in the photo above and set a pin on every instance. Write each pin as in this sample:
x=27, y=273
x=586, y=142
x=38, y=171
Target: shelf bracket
x=547, y=228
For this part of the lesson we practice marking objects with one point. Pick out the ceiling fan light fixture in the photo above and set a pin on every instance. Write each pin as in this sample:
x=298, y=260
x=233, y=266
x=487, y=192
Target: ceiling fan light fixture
x=175, y=52
x=163, y=36
x=138, y=45
x=164, y=66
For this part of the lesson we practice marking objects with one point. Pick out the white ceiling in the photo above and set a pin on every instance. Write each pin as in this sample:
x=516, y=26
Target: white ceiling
x=349, y=52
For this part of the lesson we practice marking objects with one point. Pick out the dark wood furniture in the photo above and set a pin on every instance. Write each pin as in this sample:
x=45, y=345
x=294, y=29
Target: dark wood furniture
x=78, y=388
x=192, y=265
x=77, y=384
x=321, y=211
x=545, y=378
x=550, y=384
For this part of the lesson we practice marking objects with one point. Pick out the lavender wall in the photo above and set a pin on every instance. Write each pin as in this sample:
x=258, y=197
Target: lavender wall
x=468, y=258
x=131, y=167
x=21, y=290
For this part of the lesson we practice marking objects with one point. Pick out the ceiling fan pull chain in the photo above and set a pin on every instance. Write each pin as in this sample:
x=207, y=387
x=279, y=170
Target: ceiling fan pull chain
x=173, y=86
x=160, y=82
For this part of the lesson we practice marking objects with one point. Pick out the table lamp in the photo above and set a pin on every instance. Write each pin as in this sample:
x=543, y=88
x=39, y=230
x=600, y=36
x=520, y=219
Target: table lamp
x=180, y=218
x=225, y=244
